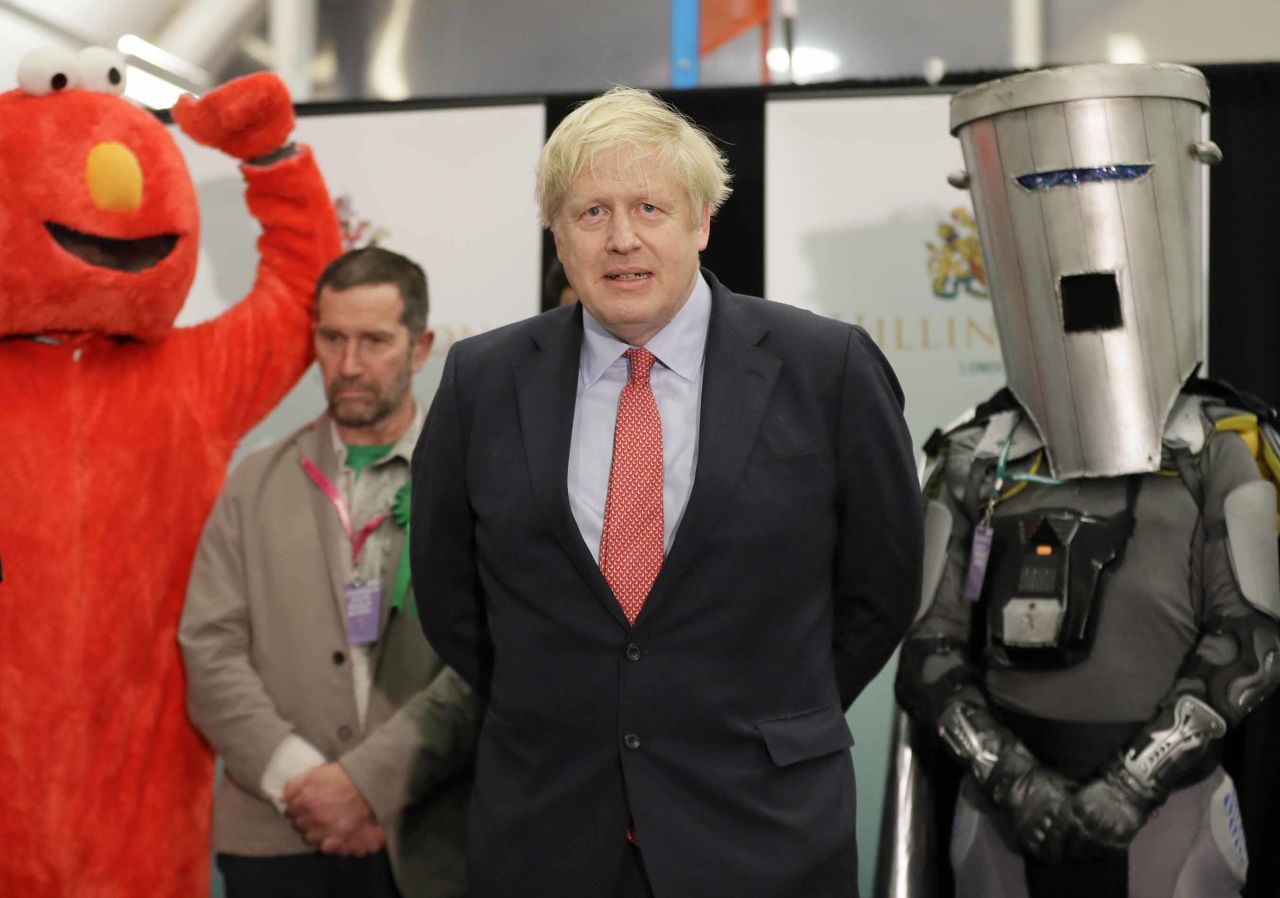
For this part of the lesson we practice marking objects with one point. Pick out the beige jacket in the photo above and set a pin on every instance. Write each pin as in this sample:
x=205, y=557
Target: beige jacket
x=264, y=640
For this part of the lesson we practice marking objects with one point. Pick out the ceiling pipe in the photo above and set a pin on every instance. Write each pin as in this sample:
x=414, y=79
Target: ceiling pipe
x=291, y=29
x=1026, y=33
x=206, y=32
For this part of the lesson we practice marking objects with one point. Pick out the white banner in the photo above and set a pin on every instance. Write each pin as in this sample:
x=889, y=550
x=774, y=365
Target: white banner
x=861, y=225
x=450, y=188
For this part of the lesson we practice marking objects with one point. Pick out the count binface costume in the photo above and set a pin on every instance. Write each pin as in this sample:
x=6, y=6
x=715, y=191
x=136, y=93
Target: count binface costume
x=117, y=429
x=1101, y=584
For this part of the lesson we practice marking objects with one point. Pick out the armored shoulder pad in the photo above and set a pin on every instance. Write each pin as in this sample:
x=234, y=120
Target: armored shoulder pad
x=1012, y=427
x=954, y=462
x=1258, y=432
x=1188, y=425
x=1250, y=514
x=1222, y=408
x=938, y=522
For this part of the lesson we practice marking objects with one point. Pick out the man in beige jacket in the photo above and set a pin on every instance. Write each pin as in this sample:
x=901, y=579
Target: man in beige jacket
x=347, y=743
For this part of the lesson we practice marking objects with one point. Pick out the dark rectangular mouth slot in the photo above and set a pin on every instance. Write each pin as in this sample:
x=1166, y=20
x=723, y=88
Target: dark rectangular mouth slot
x=1090, y=302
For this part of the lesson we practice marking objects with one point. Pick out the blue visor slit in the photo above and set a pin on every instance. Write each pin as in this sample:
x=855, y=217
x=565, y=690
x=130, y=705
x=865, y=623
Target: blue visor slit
x=1073, y=177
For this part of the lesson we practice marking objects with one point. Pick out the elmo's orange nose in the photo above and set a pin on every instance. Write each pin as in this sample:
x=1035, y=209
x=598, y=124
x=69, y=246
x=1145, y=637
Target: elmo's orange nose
x=114, y=177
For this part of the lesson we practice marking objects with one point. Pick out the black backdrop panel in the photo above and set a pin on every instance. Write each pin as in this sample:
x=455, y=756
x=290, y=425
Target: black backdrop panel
x=735, y=118
x=1244, y=324
x=1244, y=210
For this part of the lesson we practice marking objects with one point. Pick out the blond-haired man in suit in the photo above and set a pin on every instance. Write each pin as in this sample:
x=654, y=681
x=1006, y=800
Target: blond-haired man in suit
x=672, y=532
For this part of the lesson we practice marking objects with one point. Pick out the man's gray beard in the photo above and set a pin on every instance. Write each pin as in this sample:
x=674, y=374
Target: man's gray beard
x=385, y=404
x=380, y=411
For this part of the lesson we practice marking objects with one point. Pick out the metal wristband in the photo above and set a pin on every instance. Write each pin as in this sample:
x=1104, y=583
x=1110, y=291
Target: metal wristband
x=1148, y=769
x=284, y=152
x=971, y=738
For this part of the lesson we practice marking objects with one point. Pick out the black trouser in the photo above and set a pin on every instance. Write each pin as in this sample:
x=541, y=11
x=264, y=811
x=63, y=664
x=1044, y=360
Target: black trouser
x=308, y=876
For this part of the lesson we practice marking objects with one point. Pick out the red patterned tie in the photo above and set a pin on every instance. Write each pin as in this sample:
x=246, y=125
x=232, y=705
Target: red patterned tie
x=631, y=543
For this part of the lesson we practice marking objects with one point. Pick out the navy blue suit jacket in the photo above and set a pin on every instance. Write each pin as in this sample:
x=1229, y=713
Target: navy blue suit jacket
x=716, y=723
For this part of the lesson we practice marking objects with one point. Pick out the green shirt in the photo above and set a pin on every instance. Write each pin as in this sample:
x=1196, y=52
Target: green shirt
x=360, y=457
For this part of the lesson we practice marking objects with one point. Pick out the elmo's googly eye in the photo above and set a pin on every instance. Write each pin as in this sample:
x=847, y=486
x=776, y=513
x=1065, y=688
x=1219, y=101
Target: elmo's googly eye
x=48, y=71
x=101, y=70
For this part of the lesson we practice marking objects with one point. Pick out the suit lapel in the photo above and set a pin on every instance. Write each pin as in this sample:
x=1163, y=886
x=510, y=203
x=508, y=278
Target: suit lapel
x=317, y=445
x=738, y=379
x=546, y=392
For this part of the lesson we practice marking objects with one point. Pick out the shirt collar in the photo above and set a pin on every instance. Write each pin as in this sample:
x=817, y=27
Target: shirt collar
x=680, y=346
x=402, y=448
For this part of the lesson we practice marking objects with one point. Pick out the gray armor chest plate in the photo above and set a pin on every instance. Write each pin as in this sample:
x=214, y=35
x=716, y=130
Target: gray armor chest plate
x=1145, y=619
x=1046, y=581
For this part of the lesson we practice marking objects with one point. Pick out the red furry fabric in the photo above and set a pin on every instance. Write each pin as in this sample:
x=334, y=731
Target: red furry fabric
x=44, y=142
x=114, y=450
x=245, y=123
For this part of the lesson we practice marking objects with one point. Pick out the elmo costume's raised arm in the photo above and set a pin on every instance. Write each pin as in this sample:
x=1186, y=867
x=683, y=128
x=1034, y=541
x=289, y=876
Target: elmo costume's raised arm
x=117, y=433
x=233, y=374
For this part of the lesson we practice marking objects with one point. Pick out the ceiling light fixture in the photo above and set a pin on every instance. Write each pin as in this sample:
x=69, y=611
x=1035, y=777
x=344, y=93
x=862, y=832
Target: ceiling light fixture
x=806, y=62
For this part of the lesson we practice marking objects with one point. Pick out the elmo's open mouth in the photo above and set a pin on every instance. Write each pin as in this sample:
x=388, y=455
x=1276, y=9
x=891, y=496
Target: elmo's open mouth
x=108, y=252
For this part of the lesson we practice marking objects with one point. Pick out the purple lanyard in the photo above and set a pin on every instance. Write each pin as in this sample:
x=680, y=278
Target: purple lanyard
x=357, y=540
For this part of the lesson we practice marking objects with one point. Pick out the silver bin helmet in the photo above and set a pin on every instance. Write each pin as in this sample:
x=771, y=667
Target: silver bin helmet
x=1087, y=185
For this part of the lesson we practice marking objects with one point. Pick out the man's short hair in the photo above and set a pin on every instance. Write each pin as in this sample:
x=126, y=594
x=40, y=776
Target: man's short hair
x=625, y=117
x=371, y=265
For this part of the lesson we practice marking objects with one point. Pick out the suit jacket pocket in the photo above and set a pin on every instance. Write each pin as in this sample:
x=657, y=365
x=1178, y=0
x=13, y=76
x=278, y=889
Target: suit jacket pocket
x=784, y=468
x=809, y=734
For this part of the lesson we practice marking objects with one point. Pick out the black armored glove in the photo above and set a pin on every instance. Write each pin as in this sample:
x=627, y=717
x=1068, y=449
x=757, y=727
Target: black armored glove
x=937, y=685
x=1033, y=796
x=1106, y=813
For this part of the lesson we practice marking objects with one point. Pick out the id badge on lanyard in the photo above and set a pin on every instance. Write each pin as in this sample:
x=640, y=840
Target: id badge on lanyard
x=984, y=533
x=362, y=599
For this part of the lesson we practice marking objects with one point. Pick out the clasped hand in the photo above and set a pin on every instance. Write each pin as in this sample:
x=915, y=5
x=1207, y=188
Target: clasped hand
x=1103, y=816
x=1056, y=820
x=329, y=811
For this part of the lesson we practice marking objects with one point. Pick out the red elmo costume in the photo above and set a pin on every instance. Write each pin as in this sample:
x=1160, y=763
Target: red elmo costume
x=117, y=433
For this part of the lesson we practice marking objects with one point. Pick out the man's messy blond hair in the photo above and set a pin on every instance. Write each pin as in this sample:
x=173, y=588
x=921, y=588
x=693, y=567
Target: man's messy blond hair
x=625, y=118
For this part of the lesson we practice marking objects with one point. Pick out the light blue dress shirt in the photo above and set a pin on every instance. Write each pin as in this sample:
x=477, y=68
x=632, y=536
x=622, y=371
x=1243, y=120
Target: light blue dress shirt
x=603, y=371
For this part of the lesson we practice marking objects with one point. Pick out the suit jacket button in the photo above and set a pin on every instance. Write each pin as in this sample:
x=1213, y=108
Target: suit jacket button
x=633, y=652
x=631, y=741
x=338, y=658
x=344, y=732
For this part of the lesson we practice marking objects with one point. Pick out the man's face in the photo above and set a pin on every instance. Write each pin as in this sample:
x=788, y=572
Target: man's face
x=629, y=237
x=365, y=354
